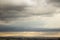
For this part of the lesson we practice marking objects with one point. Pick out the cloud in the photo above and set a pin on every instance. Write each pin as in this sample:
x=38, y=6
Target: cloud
x=55, y=3
x=23, y=11
x=30, y=17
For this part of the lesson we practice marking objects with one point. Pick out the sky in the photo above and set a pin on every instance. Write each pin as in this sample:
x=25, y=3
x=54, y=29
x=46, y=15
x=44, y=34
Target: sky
x=30, y=13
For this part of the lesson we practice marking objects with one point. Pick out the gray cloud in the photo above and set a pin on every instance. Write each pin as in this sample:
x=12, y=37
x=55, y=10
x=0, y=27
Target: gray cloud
x=11, y=12
x=55, y=3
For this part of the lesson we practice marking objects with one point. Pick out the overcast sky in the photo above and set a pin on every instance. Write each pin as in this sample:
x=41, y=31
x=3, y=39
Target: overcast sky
x=30, y=13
